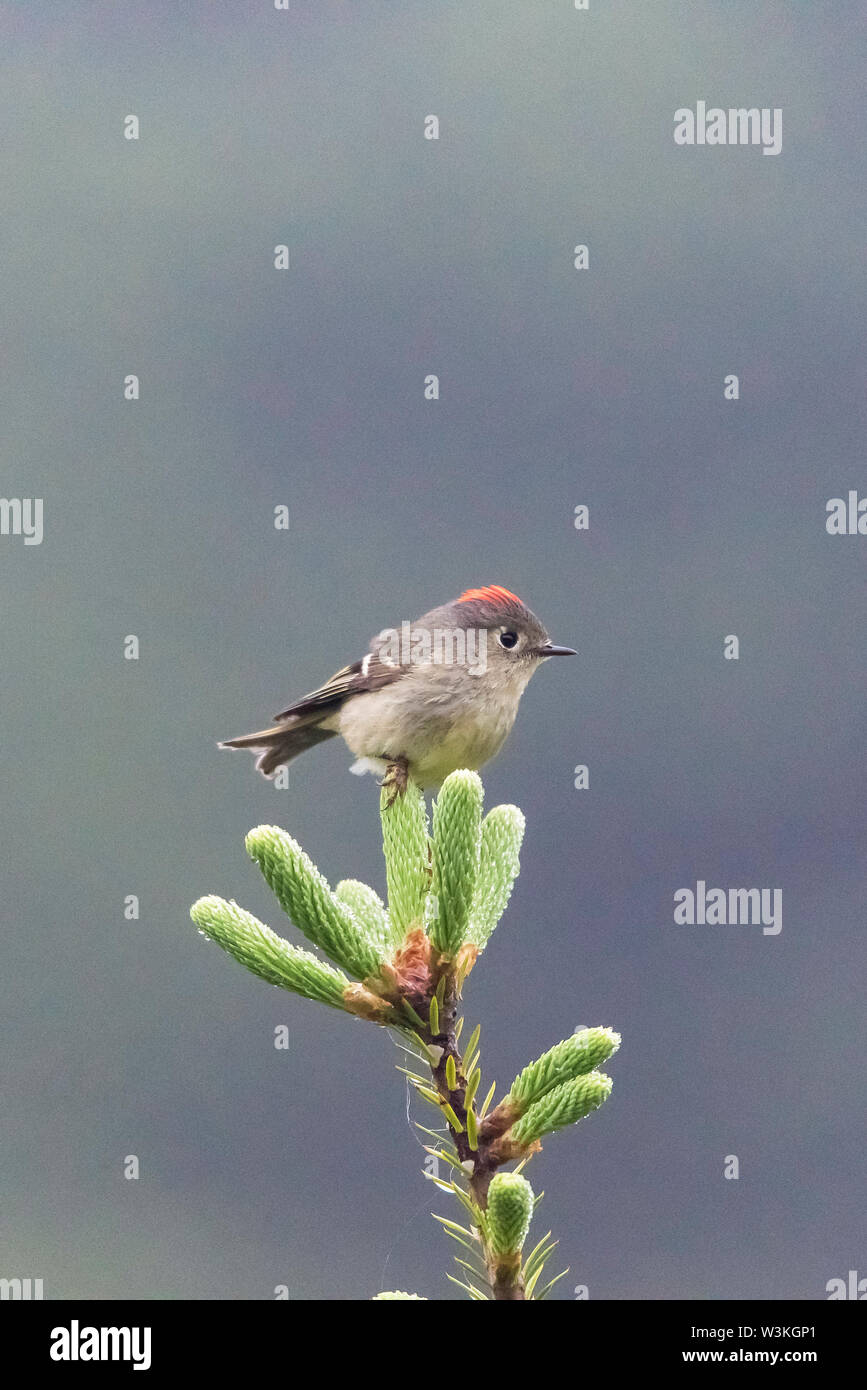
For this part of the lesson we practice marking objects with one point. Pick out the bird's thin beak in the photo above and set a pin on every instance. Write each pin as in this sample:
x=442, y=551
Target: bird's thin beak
x=551, y=650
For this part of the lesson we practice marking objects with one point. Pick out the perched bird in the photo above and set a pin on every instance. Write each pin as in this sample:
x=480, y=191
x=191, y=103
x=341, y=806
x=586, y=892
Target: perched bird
x=429, y=697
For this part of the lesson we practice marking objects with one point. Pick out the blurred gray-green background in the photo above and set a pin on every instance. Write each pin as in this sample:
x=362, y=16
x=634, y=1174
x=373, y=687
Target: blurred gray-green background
x=558, y=387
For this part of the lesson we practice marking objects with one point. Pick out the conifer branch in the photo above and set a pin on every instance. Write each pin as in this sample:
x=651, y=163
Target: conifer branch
x=404, y=966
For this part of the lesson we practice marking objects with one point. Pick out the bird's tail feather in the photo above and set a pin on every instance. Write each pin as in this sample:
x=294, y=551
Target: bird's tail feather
x=281, y=744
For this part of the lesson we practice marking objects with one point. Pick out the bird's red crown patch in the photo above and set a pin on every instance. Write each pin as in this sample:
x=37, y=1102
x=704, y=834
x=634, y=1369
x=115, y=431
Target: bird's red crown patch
x=492, y=593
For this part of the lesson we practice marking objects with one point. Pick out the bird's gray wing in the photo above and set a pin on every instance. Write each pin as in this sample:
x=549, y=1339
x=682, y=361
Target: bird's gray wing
x=371, y=673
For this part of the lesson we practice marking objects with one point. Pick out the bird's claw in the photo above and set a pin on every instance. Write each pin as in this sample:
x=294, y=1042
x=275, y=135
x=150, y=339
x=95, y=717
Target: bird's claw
x=395, y=779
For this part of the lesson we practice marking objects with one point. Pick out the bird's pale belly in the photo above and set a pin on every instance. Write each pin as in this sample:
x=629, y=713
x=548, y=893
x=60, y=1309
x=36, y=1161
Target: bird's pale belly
x=435, y=740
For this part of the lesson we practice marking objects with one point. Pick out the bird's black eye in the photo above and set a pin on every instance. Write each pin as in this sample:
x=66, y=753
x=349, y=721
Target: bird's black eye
x=508, y=640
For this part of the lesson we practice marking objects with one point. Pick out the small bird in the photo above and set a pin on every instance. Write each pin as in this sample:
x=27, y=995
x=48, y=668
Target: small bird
x=432, y=696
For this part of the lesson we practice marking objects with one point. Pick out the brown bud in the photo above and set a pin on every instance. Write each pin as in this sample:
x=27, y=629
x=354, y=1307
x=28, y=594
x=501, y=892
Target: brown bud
x=465, y=960
x=500, y=1119
x=411, y=965
x=365, y=1004
x=503, y=1150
